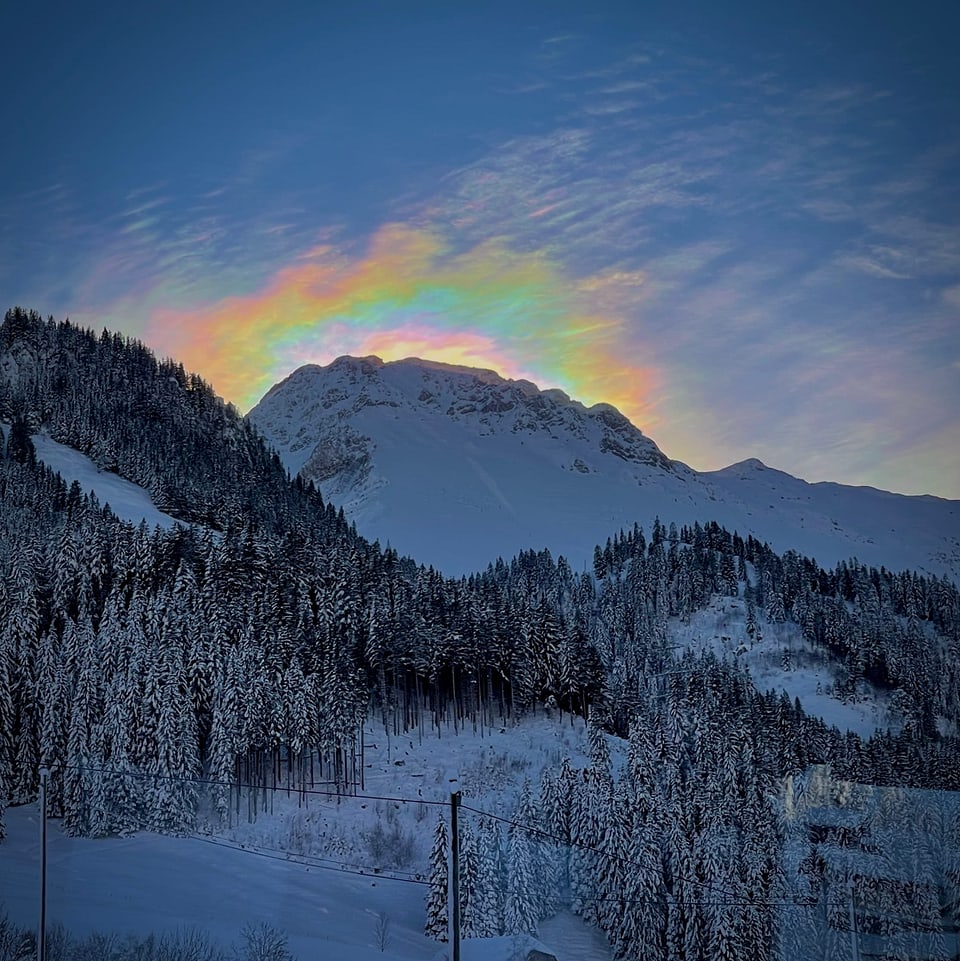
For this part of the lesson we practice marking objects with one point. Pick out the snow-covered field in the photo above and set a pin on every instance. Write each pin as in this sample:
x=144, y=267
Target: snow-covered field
x=296, y=868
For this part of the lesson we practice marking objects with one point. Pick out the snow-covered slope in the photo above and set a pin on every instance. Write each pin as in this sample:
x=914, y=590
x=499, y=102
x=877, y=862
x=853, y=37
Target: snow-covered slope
x=127, y=500
x=457, y=466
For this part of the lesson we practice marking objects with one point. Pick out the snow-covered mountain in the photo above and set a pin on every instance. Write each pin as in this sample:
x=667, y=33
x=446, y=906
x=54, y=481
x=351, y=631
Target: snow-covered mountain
x=457, y=466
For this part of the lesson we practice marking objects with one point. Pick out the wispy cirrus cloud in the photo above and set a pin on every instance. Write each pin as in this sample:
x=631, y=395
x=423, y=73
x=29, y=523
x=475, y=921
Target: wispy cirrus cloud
x=873, y=265
x=748, y=264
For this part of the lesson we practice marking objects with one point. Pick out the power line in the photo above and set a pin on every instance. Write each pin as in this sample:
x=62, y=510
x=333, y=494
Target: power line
x=367, y=871
x=275, y=854
x=611, y=857
x=315, y=860
x=369, y=797
x=212, y=782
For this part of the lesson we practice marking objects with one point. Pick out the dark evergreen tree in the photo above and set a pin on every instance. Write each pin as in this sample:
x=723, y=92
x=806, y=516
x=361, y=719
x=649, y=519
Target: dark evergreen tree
x=488, y=900
x=437, y=924
x=520, y=912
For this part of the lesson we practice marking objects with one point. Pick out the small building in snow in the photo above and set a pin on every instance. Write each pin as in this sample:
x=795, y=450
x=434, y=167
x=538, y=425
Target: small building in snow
x=510, y=947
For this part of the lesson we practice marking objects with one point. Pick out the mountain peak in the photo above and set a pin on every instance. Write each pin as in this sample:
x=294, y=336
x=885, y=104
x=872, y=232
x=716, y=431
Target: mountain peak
x=755, y=469
x=366, y=365
x=484, y=374
x=752, y=465
x=457, y=466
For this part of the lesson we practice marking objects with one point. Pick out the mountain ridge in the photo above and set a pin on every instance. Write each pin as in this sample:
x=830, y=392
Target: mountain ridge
x=494, y=461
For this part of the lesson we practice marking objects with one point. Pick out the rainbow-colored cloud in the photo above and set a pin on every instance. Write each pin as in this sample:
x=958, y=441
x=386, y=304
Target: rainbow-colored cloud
x=409, y=295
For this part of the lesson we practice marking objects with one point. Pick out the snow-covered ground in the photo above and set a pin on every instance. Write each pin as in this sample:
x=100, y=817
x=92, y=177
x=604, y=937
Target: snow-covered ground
x=295, y=869
x=128, y=501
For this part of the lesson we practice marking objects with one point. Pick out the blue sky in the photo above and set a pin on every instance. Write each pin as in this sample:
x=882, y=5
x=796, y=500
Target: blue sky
x=739, y=224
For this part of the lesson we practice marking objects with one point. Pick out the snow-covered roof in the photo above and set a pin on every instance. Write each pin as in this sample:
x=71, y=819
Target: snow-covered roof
x=511, y=947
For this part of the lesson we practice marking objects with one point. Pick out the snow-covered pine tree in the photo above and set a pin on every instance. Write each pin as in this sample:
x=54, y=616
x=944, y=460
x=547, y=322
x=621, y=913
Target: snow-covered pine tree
x=437, y=923
x=122, y=788
x=296, y=723
x=25, y=775
x=54, y=720
x=3, y=796
x=727, y=576
x=723, y=934
x=173, y=791
x=77, y=762
x=6, y=719
x=589, y=810
x=469, y=879
x=222, y=760
x=553, y=855
x=97, y=801
x=520, y=913
x=596, y=738
x=487, y=904
x=613, y=869
x=521, y=910
x=751, y=621
x=715, y=853
x=642, y=931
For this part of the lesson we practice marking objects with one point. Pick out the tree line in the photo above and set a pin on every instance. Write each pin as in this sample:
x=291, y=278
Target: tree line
x=249, y=643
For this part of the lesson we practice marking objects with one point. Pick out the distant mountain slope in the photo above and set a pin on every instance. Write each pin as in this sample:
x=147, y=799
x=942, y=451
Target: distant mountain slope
x=457, y=466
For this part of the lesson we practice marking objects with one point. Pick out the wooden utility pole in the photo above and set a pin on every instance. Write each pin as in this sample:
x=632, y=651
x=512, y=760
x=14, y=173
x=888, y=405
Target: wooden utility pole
x=455, y=875
x=854, y=939
x=42, y=930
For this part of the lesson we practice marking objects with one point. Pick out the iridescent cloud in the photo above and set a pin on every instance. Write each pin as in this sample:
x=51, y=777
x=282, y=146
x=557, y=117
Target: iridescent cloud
x=410, y=295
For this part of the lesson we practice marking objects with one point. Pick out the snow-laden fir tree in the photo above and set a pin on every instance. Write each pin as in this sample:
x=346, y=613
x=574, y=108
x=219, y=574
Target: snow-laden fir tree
x=3, y=796
x=437, y=924
x=553, y=854
x=521, y=910
x=172, y=793
x=222, y=759
x=469, y=880
x=613, y=870
x=488, y=899
x=642, y=932
x=7, y=741
x=590, y=807
x=54, y=721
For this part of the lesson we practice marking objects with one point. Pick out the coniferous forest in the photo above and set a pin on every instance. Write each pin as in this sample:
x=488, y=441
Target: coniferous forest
x=247, y=645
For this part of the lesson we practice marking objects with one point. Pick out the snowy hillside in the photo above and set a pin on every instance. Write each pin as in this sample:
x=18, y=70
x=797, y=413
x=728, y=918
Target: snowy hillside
x=127, y=500
x=457, y=466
